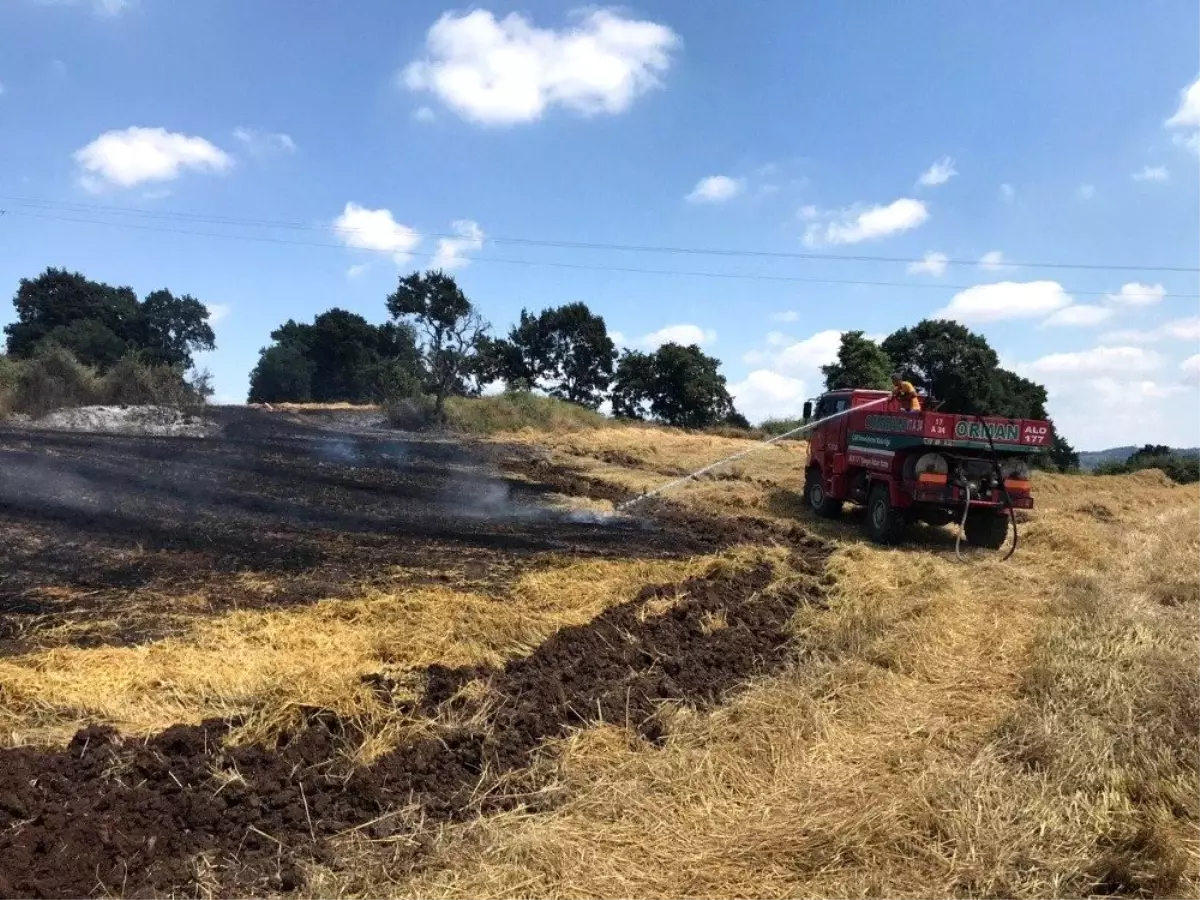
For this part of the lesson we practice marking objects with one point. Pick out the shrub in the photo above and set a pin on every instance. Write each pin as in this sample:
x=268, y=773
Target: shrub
x=410, y=413
x=10, y=373
x=53, y=379
x=774, y=427
x=134, y=383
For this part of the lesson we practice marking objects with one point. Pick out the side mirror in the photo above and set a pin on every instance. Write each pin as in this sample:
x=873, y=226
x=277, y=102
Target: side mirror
x=807, y=410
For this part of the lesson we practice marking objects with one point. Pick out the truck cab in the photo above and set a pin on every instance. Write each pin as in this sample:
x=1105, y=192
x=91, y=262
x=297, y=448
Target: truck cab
x=929, y=466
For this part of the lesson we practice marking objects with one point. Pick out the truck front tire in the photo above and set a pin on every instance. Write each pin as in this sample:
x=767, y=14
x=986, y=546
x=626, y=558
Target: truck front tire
x=884, y=523
x=986, y=529
x=818, y=501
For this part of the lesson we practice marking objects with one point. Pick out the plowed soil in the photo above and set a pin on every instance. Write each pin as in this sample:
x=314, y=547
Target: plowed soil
x=123, y=538
x=109, y=816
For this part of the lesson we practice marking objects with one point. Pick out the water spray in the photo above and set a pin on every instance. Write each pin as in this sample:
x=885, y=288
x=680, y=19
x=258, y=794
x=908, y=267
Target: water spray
x=779, y=437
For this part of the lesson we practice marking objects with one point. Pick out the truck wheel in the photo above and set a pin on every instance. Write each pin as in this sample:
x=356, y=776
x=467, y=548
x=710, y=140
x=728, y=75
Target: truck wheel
x=987, y=529
x=814, y=493
x=884, y=523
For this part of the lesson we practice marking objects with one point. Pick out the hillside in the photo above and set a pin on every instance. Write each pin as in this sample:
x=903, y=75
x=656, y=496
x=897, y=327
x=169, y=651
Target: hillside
x=427, y=668
x=1090, y=459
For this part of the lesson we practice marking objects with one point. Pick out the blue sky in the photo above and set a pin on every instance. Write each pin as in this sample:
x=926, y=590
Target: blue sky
x=936, y=134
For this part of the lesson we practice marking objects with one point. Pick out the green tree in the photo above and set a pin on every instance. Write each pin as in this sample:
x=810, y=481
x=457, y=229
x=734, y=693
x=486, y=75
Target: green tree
x=677, y=385
x=169, y=329
x=565, y=349
x=961, y=371
x=283, y=374
x=345, y=358
x=449, y=329
x=861, y=363
x=100, y=323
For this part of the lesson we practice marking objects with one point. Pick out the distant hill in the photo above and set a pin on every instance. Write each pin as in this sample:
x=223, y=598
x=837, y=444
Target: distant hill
x=1089, y=459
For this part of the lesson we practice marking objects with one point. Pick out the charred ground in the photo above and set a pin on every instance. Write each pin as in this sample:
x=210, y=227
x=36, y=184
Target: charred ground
x=122, y=537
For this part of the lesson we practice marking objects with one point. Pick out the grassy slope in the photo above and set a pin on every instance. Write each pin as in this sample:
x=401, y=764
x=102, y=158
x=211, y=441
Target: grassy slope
x=1019, y=729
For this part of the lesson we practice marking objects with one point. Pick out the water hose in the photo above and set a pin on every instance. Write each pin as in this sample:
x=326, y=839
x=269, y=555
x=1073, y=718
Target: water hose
x=1012, y=513
x=962, y=526
x=720, y=462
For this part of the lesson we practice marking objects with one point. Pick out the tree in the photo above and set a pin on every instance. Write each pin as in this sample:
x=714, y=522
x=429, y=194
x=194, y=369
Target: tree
x=1062, y=455
x=450, y=330
x=961, y=371
x=861, y=363
x=677, y=385
x=344, y=358
x=100, y=323
x=566, y=350
x=169, y=329
x=283, y=374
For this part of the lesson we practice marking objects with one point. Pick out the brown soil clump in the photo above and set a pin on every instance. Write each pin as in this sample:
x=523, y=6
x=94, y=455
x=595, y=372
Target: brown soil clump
x=112, y=816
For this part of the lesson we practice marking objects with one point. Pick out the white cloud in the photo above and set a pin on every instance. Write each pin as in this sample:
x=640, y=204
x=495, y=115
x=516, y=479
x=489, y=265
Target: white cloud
x=933, y=264
x=1007, y=193
x=136, y=155
x=1079, y=315
x=787, y=315
x=618, y=338
x=715, y=189
x=1187, y=141
x=217, y=312
x=356, y=270
x=1135, y=294
x=1006, y=300
x=1, y=87
x=1097, y=361
x=1086, y=191
x=501, y=72
x=678, y=334
x=1188, y=114
x=939, y=173
x=1191, y=367
x=807, y=356
x=809, y=212
x=1152, y=173
x=375, y=229
x=424, y=114
x=777, y=339
x=993, y=261
x=1187, y=329
x=452, y=252
x=264, y=143
x=764, y=394
x=1183, y=329
x=852, y=226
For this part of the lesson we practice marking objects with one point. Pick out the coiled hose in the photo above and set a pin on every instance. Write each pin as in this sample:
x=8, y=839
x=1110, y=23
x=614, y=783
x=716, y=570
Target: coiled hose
x=1012, y=513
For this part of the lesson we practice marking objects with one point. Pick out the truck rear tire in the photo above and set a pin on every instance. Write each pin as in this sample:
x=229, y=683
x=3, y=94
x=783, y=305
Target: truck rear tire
x=818, y=501
x=884, y=523
x=986, y=529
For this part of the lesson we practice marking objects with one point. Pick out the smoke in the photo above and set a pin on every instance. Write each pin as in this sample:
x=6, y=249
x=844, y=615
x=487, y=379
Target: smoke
x=337, y=450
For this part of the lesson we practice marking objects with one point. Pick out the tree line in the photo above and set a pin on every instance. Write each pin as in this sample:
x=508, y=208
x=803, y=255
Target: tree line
x=437, y=344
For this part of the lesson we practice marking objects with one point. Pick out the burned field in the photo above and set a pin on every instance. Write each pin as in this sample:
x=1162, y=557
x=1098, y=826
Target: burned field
x=122, y=541
x=120, y=538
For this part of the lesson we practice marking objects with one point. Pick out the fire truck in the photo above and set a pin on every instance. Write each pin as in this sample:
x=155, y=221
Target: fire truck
x=927, y=466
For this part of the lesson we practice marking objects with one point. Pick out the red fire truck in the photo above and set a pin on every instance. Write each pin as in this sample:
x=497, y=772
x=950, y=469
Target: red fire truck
x=925, y=466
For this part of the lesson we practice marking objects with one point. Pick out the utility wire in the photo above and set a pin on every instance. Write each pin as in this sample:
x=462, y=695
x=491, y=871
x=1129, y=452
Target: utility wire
x=90, y=208
x=734, y=276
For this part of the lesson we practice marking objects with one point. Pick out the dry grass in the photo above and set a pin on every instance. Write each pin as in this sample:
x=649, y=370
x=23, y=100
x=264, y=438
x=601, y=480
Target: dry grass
x=267, y=665
x=1022, y=729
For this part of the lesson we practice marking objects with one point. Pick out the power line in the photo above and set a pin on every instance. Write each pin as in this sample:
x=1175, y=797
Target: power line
x=92, y=208
x=734, y=276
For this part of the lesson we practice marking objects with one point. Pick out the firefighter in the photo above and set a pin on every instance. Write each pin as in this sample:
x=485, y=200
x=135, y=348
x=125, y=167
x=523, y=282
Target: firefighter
x=905, y=394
